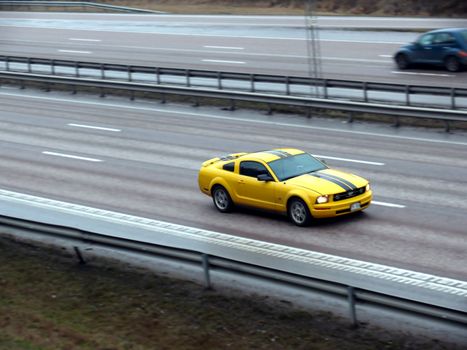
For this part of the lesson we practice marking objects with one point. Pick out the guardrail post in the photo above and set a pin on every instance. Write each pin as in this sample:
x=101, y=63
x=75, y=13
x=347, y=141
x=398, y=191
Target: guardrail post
x=252, y=80
x=77, y=69
x=29, y=65
x=269, y=109
x=219, y=80
x=325, y=87
x=365, y=91
x=447, y=126
x=353, y=313
x=102, y=72
x=407, y=95
x=188, y=83
x=207, y=277
x=158, y=76
x=287, y=85
x=79, y=255
x=129, y=73
x=453, y=98
x=7, y=62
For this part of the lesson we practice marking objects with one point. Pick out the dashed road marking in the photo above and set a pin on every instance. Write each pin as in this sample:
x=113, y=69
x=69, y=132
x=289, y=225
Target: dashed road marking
x=63, y=155
x=94, y=127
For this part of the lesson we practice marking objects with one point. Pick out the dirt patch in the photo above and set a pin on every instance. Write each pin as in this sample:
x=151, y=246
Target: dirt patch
x=48, y=301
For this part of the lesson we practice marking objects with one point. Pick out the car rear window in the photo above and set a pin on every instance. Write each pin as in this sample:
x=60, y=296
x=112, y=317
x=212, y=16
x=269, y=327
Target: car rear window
x=229, y=166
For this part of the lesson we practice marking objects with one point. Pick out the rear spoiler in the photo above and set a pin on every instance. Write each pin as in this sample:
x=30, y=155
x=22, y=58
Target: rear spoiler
x=223, y=158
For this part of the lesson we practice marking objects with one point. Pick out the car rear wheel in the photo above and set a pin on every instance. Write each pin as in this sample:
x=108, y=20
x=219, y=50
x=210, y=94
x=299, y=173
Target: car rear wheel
x=221, y=199
x=402, y=61
x=298, y=212
x=452, y=64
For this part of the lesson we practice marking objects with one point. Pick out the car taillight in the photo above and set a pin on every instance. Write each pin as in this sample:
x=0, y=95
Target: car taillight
x=462, y=53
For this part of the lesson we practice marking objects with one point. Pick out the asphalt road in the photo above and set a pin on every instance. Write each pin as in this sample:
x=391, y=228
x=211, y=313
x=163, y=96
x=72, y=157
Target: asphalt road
x=142, y=158
x=251, y=44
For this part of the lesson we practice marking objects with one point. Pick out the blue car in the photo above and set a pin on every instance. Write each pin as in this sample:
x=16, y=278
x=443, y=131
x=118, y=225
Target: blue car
x=442, y=47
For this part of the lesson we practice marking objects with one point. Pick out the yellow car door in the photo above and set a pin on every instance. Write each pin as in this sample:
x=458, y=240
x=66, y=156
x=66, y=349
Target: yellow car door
x=253, y=192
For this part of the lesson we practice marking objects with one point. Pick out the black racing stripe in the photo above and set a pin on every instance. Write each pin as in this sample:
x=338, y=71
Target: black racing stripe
x=280, y=154
x=338, y=183
x=348, y=183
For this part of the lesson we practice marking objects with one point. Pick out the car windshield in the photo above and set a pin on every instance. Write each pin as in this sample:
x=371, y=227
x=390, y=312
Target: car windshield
x=289, y=167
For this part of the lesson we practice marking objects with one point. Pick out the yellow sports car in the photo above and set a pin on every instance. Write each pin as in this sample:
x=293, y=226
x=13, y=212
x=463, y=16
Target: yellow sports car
x=283, y=180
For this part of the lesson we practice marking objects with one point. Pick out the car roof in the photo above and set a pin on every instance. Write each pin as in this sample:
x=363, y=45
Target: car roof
x=272, y=155
x=444, y=30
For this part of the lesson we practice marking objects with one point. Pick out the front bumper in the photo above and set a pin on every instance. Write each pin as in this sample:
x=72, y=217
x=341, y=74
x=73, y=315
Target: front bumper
x=343, y=207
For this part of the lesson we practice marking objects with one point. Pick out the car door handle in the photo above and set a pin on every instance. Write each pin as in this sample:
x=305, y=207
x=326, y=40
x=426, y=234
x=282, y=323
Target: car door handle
x=241, y=182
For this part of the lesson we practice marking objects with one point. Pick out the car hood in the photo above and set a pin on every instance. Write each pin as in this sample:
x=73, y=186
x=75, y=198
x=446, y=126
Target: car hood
x=328, y=181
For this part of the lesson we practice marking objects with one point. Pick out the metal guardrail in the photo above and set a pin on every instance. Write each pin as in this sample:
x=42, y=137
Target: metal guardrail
x=356, y=281
x=284, y=85
x=72, y=4
x=446, y=115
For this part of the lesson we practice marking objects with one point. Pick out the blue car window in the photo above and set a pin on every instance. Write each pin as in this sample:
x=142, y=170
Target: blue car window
x=426, y=39
x=444, y=38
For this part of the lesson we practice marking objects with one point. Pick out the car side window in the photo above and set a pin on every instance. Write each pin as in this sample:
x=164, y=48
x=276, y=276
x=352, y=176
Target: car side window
x=229, y=166
x=444, y=38
x=426, y=39
x=252, y=169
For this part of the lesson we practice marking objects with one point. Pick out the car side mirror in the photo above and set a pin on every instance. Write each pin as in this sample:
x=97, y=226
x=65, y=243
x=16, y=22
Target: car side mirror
x=264, y=177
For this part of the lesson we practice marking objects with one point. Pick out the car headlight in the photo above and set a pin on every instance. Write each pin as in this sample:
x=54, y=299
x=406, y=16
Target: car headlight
x=322, y=199
x=367, y=187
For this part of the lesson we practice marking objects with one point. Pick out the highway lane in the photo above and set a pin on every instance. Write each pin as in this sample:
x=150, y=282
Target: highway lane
x=270, y=49
x=346, y=22
x=142, y=158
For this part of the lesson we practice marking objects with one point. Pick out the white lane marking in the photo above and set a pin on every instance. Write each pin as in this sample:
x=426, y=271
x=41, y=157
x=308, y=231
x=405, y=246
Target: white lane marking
x=390, y=205
x=74, y=51
x=94, y=127
x=71, y=156
x=221, y=61
x=80, y=39
x=385, y=55
x=348, y=160
x=426, y=74
x=212, y=116
x=224, y=47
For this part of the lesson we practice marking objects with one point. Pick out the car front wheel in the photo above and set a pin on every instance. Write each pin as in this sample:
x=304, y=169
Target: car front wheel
x=221, y=199
x=452, y=64
x=298, y=212
x=402, y=61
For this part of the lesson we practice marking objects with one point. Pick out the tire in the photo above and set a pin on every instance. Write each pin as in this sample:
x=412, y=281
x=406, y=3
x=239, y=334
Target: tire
x=402, y=61
x=222, y=200
x=298, y=212
x=452, y=64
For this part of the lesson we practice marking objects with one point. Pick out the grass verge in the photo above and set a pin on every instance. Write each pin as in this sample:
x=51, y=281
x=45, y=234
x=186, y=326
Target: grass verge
x=48, y=301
